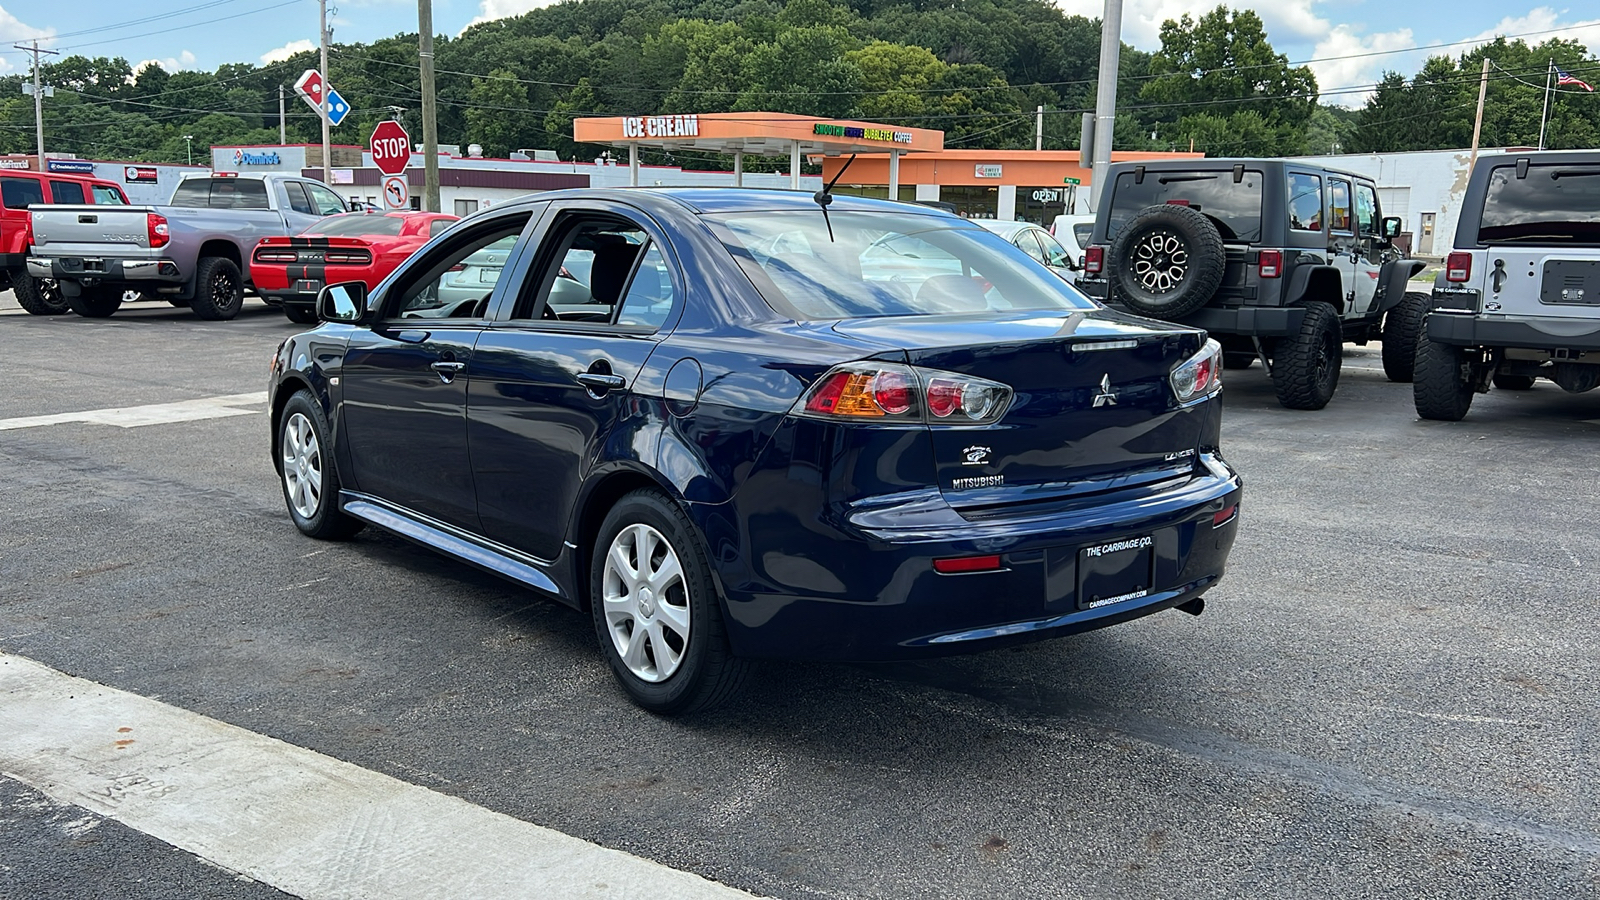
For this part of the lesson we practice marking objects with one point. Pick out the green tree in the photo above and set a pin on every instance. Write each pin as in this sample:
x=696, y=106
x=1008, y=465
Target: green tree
x=498, y=113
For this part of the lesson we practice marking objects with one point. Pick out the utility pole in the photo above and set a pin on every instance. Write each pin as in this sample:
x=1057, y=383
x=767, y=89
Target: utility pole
x=327, y=161
x=39, y=91
x=1545, y=115
x=430, y=121
x=1477, y=123
x=1105, y=100
x=1038, y=129
x=283, y=125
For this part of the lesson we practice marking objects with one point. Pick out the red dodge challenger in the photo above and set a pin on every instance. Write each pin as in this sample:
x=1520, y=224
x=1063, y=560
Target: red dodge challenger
x=351, y=247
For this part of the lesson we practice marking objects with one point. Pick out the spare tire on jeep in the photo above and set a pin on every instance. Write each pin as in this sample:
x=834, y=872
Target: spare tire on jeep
x=1166, y=262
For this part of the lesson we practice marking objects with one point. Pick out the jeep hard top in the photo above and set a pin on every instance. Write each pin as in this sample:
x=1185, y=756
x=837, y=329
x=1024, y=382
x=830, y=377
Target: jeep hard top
x=1279, y=260
x=1519, y=296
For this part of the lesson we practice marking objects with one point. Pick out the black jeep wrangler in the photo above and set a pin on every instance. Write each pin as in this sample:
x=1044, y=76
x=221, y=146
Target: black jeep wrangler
x=1519, y=297
x=1280, y=261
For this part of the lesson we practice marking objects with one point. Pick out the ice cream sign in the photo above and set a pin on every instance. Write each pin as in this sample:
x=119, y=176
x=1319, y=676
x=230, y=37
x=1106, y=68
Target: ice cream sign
x=660, y=126
x=852, y=131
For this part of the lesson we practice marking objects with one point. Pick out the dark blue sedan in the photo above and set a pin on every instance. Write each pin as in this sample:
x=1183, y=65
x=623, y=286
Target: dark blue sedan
x=736, y=424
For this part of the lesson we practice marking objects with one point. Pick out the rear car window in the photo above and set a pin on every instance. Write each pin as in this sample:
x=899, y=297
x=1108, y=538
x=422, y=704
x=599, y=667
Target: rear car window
x=1236, y=208
x=1553, y=203
x=17, y=193
x=1082, y=232
x=222, y=193
x=357, y=225
x=886, y=264
x=66, y=192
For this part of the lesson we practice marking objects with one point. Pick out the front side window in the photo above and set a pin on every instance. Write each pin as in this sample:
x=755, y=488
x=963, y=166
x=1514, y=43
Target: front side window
x=107, y=195
x=1339, y=205
x=1235, y=206
x=1553, y=203
x=66, y=192
x=18, y=193
x=1366, y=209
x=1305, y=202
x=458, y=280
x=1054, y=254
x=324, y=201
x=867, y=264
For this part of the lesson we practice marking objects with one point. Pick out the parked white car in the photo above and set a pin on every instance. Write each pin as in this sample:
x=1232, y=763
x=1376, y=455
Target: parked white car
x=1073, y=232
x=1037, y=243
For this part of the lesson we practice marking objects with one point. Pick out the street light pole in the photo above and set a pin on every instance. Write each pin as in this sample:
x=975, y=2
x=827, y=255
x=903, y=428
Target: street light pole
x=1105, y=103
x=327, y=162
x=38, y=93
x=189, y=147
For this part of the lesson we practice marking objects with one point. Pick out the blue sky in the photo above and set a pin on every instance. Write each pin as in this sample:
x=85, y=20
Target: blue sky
x=203, y=34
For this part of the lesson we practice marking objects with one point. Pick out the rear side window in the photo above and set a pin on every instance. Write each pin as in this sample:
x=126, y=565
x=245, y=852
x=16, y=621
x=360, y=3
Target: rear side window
x=1339, y=205
x=1082, y=232
x=297, y=198
x=17, y=193
x=66, y=192
x=1553, y=203
x=193, y=192
x=1236, y=208
x=107, y=195
x=1305, y=202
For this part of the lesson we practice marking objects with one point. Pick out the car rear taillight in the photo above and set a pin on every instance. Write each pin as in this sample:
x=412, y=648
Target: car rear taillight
x=1094, y=260
x=27, y=229
x=157, y=230
x=268, y=254
x=1200, y=374
x=358, y=257
x=1458, y=267
x=1271, y=264
x=458, y=267
x=891, y=392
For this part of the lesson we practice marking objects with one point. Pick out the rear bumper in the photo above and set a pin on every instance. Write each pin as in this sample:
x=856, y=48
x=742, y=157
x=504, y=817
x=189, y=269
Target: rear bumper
x=1507, y=331
x=80, y=268
x=868, y=590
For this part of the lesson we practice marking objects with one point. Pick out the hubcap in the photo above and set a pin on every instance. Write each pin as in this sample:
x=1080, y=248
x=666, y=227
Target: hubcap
x=302, y=465
x=1160, y=260
x=646, y=602
x=222, y=290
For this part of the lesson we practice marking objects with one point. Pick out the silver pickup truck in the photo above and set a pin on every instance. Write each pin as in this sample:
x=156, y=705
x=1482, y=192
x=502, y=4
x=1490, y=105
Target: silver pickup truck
x=194, y=251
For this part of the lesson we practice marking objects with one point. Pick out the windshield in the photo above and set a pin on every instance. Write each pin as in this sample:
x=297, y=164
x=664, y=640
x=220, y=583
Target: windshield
x=356, y=226
x=1554, y=203
x=886, y=264
x=1236, y=208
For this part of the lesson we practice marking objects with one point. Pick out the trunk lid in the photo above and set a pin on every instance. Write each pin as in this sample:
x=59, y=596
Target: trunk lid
x=1093, y=408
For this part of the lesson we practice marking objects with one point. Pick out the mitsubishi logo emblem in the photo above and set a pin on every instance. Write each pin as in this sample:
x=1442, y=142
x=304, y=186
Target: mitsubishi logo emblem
x=1106, y=397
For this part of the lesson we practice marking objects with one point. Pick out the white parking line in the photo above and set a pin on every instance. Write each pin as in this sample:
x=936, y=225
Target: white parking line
x=152, y=414
x=307, y=824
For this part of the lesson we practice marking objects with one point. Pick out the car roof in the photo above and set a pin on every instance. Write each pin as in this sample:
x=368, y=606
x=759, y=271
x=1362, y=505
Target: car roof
x=714, y=200
x=1004, y=227
x=1225, y=163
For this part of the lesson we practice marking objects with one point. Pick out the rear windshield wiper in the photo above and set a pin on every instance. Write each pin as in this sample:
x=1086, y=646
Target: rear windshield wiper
x=1573, y=173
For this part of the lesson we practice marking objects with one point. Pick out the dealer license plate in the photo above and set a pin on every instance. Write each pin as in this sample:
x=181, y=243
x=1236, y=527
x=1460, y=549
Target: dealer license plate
x=1115, y=571
x=307, y=286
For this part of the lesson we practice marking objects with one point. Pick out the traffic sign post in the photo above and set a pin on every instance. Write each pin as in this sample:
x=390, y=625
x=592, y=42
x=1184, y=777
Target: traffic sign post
x=1072, y=181
x=391, y=149
x=396, y=193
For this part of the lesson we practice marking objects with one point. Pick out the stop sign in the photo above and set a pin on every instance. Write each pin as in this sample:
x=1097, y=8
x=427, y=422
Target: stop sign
x=391, y=148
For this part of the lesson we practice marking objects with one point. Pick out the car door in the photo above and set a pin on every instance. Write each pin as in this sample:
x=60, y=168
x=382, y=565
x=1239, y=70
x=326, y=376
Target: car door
x=1344, y=249
x=405, y=380
x=554, y=381
x=1371, y=250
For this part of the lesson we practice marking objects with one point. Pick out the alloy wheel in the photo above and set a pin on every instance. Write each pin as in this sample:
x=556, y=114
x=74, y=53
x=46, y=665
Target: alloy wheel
x=302, y=465
x=646, y=602
x=1160, y=261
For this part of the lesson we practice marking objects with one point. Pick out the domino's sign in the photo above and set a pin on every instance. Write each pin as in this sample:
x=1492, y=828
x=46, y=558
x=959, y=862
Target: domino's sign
x=246, y=158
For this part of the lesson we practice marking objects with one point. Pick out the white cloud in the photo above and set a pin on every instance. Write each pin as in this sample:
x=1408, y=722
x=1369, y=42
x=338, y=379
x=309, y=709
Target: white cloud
x=1345, y=64
x=287, y=50
x=14, y=30
x=1287, y=21
x=489, y=10
x=184, y=60
x=1540, y=19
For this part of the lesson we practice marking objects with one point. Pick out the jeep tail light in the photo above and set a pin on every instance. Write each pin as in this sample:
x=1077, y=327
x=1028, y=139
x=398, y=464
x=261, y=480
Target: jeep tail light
x=1271, y=264
x=1458, y=267
x=1200, y=374
x=1094, y=260
x=156, y=228
x=892, y=392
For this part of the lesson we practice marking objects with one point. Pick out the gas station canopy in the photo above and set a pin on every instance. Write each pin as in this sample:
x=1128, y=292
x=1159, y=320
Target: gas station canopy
x=757, y=133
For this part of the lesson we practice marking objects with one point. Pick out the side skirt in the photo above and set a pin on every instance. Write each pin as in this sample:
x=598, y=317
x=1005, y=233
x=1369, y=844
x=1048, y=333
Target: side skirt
x=473, y=549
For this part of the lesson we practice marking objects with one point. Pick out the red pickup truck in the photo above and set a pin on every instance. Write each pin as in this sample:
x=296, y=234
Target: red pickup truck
x=21, y=189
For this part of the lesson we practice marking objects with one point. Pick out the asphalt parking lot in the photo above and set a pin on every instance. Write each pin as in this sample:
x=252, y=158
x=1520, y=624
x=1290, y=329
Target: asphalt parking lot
x=1394, y=692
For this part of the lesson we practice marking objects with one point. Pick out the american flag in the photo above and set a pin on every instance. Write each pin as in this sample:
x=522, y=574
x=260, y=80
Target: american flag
x=1569, y=78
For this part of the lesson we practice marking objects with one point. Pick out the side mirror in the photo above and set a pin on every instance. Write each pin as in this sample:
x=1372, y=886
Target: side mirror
x=343, y=302
x=1391, y=227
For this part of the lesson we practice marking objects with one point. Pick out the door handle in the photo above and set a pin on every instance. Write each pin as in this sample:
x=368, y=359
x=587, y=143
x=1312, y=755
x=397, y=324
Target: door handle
x=600, y=382
x=448, y=369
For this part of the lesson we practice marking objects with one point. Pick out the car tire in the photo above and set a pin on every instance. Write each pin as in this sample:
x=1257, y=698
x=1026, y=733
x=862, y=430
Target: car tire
x=1305, y=368
x=300, y=314
x=306, y=471
x=660, y=625
x=1444, y=386
x=1167, y=262
x=98, y=302
x=1239, y=359
x=1505, y=381
x=1401, y=325
x=39, y=296
x=218, y=289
